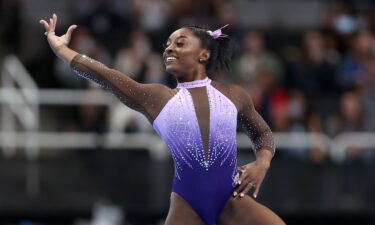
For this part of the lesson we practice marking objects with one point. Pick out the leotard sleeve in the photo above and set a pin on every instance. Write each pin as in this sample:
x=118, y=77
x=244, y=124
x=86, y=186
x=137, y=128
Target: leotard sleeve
x=145, y=98
x=251, y=122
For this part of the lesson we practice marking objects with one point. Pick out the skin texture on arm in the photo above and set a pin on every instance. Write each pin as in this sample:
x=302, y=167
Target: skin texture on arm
x=148, y=99
x=255, y=127
x=145, y=98
x=253, y=124
x=65, y=53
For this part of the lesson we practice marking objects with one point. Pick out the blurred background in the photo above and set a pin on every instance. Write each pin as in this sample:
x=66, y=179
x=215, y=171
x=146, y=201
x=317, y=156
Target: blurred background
x=73, y=154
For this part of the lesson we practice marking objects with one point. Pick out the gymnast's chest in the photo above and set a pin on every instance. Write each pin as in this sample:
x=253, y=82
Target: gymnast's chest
x=180, y=115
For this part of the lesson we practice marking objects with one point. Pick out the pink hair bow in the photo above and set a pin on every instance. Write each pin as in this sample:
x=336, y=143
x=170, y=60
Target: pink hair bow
x=217, y=33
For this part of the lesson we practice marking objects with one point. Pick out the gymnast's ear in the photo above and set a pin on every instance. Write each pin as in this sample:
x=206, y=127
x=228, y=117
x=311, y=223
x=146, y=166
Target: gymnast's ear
x=204, y=56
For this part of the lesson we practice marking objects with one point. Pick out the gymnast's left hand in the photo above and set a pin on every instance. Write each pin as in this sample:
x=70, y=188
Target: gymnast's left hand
x=253, y=175
x=56, y=42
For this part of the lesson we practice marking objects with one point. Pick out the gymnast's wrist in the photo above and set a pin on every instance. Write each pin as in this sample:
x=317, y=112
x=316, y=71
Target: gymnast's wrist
x=59, y=49
x=264, y=157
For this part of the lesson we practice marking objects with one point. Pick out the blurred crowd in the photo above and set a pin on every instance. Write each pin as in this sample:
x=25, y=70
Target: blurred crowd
x=319, y=78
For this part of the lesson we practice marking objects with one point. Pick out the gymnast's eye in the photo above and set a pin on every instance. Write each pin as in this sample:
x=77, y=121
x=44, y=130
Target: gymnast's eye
x=180, y=44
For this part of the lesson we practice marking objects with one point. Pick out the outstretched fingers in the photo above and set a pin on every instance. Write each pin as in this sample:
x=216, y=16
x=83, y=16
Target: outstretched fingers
x=54, y=20
x=51, y=29
x=49, y=26
x=70, y=30
x=46, y=26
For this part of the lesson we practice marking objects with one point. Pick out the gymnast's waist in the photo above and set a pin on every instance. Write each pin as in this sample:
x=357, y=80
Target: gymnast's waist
x=203, y=185
x=214, y=175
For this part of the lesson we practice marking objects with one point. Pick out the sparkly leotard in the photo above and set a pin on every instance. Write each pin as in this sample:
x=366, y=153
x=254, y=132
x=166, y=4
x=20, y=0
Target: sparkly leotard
x=198, y=122
x=204, y=180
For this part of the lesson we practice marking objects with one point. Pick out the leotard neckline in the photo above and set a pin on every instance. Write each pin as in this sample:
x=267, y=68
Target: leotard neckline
x=194, y=83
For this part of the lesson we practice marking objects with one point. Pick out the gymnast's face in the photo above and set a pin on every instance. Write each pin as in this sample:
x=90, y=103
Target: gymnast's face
x=184, y=54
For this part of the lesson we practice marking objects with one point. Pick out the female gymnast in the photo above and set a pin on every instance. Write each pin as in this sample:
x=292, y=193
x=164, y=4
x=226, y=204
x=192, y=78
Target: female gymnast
x=197, y=120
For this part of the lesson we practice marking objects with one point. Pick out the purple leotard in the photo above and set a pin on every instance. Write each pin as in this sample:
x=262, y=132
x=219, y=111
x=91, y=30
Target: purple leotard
x=205, y=181
x=198, y=122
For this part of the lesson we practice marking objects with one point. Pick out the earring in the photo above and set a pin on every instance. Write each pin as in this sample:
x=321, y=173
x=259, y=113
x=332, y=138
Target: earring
x=201, y=60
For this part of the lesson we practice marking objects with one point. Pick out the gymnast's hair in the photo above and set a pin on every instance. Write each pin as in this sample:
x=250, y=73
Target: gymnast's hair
x=221, y=48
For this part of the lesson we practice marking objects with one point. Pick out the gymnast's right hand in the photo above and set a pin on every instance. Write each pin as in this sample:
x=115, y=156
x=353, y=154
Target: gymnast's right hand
x=54, y=41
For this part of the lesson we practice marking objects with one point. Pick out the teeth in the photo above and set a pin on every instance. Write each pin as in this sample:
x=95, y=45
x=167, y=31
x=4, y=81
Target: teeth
x=170, y=58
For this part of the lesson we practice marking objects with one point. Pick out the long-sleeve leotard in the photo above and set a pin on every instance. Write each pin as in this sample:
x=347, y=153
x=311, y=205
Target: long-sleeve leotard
x=149, y=99
x=198, y=121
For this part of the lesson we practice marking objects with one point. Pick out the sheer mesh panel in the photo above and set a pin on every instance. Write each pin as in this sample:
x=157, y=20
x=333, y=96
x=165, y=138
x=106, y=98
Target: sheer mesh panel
x=150, y=99
x=202, y=112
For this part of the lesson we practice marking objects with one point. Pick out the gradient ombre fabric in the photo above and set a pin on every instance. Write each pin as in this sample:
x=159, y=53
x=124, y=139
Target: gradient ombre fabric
x=205, y=179
x=198, y=122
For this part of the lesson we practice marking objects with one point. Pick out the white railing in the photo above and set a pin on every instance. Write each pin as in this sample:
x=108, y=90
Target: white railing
x=21, y=99
x=57, y=140
x=335, y=147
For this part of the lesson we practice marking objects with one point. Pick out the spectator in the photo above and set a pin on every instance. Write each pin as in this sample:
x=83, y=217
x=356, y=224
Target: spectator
x=108, y=20
x=316, y=75
x=139, y=60
x=302, y=120
x=145, y=66
x=368, y=96
x=350, y=119
x=266, y=93
x=151, y=14
x=256, y=58
x=92, y=118
x=354, y=70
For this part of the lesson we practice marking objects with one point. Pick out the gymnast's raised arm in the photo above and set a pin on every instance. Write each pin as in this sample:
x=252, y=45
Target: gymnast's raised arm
x=145, y=98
